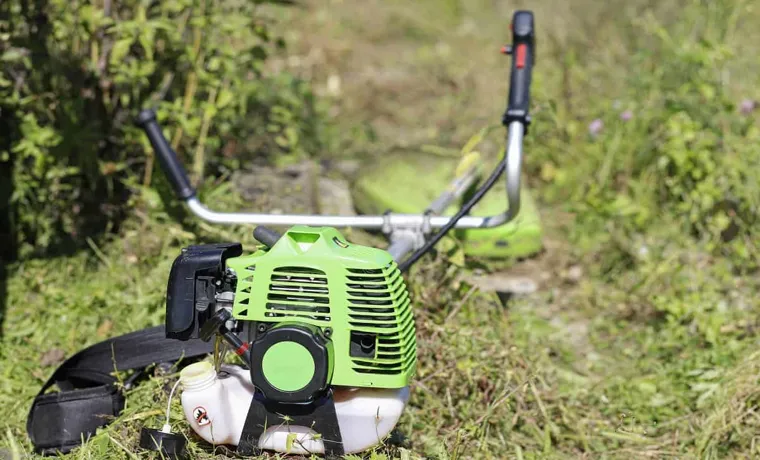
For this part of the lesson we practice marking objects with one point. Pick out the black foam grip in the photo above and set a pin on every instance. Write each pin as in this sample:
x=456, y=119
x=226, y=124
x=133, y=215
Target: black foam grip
x=266, y=236
x=167, y=158
x=523, y=59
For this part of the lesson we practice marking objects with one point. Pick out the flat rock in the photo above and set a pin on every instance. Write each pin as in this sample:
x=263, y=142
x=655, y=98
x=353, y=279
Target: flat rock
x=347, y=168
x=505, y=283
x=335, y=197
x=298, y=188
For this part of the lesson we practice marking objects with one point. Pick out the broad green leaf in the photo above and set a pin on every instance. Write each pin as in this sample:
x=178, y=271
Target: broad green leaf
x=120, y=50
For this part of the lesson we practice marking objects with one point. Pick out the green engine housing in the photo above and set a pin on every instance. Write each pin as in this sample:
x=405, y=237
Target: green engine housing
x=352, y=298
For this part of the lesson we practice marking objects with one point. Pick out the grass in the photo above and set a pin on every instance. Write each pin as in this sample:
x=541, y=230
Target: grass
x=649, y=353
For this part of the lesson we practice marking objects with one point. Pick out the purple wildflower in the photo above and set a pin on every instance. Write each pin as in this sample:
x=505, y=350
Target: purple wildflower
x=747, y=106
x=626, y=116
x=595, y=127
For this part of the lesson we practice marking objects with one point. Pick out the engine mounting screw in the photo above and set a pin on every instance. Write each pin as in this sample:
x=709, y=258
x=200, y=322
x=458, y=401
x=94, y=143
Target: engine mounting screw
x=262, y=327
x=328, y=332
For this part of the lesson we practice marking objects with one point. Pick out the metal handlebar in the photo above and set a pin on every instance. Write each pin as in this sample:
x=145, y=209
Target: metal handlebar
x=172, y=166
x=516, y=119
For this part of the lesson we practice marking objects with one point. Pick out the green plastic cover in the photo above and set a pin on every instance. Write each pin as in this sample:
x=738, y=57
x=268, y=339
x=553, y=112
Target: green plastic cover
x=409, y=182
x=314, y=276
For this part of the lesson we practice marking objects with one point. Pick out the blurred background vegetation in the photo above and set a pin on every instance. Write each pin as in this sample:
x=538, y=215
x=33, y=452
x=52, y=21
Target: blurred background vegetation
x=644, y=152
x=76, y=72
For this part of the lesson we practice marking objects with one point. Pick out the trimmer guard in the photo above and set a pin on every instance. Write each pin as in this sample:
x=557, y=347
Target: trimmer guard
x=407, y=183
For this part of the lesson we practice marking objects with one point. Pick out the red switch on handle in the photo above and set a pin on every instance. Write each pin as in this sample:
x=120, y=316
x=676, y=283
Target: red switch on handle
x=520, y=55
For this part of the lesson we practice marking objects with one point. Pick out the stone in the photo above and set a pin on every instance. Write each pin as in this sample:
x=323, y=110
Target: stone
x=575, y=273
x=505, y=283
x=335, y=197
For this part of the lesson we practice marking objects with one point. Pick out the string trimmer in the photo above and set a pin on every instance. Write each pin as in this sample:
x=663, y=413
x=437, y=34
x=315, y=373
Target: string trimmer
x=323, y=327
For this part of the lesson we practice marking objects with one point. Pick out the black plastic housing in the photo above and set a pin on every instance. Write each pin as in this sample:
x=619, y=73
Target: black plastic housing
x=191, y=292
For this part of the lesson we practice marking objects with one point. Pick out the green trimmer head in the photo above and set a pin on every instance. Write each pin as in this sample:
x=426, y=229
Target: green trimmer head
x=397, y=183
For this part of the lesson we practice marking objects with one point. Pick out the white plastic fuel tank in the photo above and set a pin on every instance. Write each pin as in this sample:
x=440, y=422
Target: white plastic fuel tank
x=216, y=407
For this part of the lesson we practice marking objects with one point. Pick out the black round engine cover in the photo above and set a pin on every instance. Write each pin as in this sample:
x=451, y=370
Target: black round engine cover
x=286, y=374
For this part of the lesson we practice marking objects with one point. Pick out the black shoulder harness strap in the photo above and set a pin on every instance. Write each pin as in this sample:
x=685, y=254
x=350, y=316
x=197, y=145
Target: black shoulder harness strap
x=89, y=396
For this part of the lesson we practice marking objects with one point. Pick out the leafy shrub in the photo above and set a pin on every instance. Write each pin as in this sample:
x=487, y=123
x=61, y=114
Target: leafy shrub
x=664, y=175
x=673, y=144
x=75, y=72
